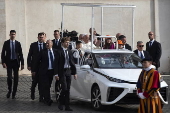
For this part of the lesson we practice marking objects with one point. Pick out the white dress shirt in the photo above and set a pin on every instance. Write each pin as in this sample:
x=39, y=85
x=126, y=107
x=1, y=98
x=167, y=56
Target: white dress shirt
x=124, y=47
x=139, y=54
x=11, y=46
x=65, y=64
x=86, y=46
x=39, y=45
x=76, y=53
x=49, y=60
x=151, y=42
x=57, y=40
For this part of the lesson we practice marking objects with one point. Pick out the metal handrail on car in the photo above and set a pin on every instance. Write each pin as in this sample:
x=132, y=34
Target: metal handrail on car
x=102, y=37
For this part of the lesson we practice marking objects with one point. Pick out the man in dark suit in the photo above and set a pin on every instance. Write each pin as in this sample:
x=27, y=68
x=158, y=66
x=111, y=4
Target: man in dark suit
x=56, y=45
x=66, y=69
x=123, y=39
x=34, y=50
x=47, y=62
x=154, y=49
x=57, y=40
x=11, y=57
x=140, y=52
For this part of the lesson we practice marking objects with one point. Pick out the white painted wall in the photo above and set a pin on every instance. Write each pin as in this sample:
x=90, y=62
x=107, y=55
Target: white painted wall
x=28, y=17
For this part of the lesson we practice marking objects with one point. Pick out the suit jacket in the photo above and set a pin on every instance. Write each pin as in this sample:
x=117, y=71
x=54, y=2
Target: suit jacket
x=127, y=46
x=6, y=53
x=146, y=54
x=33, y=54
x=62, y=62
x=56, y=46
x=42, y=62
x=155, y=52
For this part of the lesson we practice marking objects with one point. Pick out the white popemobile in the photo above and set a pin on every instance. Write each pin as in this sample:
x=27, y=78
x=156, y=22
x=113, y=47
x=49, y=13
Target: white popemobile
x=106, y=77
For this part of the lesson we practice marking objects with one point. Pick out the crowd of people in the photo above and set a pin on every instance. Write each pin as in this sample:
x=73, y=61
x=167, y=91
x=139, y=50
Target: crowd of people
x=57, y=58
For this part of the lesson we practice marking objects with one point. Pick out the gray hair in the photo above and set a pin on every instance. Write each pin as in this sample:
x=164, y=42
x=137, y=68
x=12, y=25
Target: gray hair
x=139, y=42
x=50, y=40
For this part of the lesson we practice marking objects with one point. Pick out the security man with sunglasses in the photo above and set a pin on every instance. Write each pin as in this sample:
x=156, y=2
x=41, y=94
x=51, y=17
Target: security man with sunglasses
x=140, y=52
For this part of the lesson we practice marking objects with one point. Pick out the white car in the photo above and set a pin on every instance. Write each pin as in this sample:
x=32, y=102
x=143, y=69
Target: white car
x=107, y=77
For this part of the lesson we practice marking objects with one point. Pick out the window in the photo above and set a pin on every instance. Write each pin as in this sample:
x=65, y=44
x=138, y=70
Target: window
x=118, y=60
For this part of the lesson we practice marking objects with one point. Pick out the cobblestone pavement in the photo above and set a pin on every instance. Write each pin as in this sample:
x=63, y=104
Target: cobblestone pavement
x=23, y=103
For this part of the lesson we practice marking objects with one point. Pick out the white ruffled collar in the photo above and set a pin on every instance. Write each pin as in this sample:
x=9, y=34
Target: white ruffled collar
x=149, y=68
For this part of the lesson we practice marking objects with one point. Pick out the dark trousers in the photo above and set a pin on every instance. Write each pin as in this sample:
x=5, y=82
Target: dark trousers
x=45, y=84
x=35, y=81
x=12, y=67
x=65, y=81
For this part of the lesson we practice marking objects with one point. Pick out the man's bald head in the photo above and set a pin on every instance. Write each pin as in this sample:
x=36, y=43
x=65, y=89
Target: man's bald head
x=49, y=44
x=94, y=31
x=151, y=35
x=117, y=35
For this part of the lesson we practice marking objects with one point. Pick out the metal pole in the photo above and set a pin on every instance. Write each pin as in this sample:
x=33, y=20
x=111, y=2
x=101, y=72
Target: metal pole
x=101, y=27
x=62, y=24
x=116, y=44
x=133, y=12
x=101, y=20
x=92, y=25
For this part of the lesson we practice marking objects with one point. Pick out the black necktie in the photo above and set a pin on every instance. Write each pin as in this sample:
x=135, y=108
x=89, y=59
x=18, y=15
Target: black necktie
x=56, y=42
x=141, y=55
x=67, y=59
x=40, y=47
x=51, y=59
x=13, y=51
x=150, y=44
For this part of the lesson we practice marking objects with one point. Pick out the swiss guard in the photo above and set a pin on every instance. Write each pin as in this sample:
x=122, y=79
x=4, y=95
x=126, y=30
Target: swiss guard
x=148, y=86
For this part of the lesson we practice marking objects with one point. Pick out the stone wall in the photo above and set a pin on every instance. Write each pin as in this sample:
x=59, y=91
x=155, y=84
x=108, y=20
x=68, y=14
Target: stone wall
x=28, y=17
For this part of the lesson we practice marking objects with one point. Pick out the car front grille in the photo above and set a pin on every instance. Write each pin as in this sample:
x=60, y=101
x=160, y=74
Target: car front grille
x=164, y=92
x=113, y=93
x=130, y=98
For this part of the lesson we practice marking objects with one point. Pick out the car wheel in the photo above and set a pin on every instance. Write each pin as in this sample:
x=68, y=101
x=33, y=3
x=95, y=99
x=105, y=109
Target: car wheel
x=96, y=98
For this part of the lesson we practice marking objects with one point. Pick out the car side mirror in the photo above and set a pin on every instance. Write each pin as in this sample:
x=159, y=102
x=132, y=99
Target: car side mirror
x=85, y=67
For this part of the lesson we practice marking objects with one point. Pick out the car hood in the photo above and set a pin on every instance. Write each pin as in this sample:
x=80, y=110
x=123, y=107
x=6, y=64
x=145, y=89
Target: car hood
x=130, y=75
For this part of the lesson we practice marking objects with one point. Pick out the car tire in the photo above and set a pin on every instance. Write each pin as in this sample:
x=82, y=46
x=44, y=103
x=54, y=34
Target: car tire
x=96, y=99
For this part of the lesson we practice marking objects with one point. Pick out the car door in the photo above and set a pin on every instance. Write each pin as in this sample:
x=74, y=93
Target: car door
x=80, y=87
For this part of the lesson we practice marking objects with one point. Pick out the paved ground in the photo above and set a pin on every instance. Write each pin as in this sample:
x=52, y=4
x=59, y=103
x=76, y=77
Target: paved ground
x=23, y=103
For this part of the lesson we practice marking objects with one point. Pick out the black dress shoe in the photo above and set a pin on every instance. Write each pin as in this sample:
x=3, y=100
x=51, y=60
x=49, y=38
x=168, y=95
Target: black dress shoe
x=60, y=107
x=68, y=109
x=32, y=96
x=48, y=102
x=13, y=97
x=8, y=95
x=41, y=100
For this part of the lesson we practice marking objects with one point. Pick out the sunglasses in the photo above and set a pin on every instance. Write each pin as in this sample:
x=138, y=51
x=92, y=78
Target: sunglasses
x=150, y=34
x=140, y=45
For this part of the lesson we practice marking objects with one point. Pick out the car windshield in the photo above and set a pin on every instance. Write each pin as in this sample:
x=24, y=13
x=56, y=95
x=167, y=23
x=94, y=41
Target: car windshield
x=118, y=60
